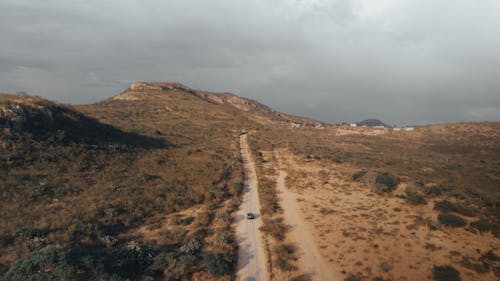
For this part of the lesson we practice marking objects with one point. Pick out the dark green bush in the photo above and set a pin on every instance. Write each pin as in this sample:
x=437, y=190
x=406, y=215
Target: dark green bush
x=6, y=239
x=285, y=253
x=148, y=177
x=466, y=210
x=388, y=181
x=445, y=206
x=160, y=262
x=275, y=228
x=432, y=191
x=451, y=220
x=217, y=264
x=445, y=273
x=481, y=225
x=461, y=208
x=415, y=198
x=30, y=233
x=358, y=175
x=354, y=277
x=191, y=248
x=50, y=264
x=87, y=263
x=129, y=262
x=479, y=267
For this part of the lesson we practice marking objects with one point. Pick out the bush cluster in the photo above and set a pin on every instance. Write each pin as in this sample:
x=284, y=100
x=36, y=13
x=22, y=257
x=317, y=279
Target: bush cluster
x=285, y=253
x=445, y=273
x=358, y=175
x=275, y=228
x=82, y=263
x=388, y=181
x=217, y=264
x=415, y=198
x=451, y=220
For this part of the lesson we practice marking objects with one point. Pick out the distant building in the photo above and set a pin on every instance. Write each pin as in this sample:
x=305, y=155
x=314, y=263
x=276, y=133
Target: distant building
x=408, y=129
x=319, y=126
x=353, y=125
x=396, y=129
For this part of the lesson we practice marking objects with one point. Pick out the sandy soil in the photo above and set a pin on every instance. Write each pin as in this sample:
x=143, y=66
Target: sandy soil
x=310, y=261
x=359, y=232
x=252, y=265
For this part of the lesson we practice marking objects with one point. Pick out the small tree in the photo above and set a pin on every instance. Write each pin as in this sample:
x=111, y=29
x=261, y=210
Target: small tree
x=451, y=220
x=217, y=264
x=445, y=273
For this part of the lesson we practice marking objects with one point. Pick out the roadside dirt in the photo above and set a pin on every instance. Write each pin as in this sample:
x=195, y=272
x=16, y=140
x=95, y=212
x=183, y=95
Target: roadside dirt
x=252, y=265
x=310, y=261
x=365, y=234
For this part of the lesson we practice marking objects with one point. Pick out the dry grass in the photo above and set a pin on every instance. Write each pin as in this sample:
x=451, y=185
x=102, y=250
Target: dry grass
x=123, y=172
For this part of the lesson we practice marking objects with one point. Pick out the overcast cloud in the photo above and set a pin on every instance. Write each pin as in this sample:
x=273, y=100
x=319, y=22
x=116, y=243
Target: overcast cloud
x=402, y=61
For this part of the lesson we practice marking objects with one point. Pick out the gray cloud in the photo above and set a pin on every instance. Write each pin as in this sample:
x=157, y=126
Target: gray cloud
x=413, y=61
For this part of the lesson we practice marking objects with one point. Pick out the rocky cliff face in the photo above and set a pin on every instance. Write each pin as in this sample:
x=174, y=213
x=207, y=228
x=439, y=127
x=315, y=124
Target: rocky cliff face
x=141, y=90
x=20, y=113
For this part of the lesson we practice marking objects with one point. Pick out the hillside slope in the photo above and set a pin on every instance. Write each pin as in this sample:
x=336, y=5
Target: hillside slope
x=142, y=188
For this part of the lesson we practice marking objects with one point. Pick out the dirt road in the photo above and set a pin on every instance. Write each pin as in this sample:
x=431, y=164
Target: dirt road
x=311, y=261
x=252, y=264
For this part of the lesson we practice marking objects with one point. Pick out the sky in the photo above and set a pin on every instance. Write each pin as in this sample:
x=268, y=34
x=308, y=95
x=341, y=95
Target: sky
x=402, y=61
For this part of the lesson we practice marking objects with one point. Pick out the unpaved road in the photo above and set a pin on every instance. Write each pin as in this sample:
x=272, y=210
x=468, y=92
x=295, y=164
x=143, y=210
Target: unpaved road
x=252, y=264
x=310, y=260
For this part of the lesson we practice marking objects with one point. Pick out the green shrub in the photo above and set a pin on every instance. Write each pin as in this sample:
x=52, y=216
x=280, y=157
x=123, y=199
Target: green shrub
x=6, y=239
x=445, y=273
x=30, y=233
x=415, y=198
x=466, y=210
x=148, y=177
x=354, y=277
x=217, y=264
x=160, y=262
x=451, y=220
x=432, y=191
x=479, y=267
x=445, y=206
x=129, y=262
x=481, y=225
x=388, y=181
x=461, y=208
x=49, y=264
x=91, y=263
x=191, y=248
x=358, y=175
x=275, y=228
x=284, y=254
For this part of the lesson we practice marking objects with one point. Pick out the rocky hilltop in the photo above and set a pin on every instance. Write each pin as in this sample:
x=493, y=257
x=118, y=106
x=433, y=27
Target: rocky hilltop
x=252, y=109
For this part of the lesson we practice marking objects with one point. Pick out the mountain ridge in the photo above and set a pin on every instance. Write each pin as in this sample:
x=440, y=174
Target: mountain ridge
x=255, y=110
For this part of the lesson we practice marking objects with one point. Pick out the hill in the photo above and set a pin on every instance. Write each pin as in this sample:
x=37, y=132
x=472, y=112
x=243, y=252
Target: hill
x=247, y=107
x=139, y=187
x=372, y=123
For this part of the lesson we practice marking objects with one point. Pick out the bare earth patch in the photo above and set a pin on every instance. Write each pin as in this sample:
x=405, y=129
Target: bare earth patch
x=370, y=235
